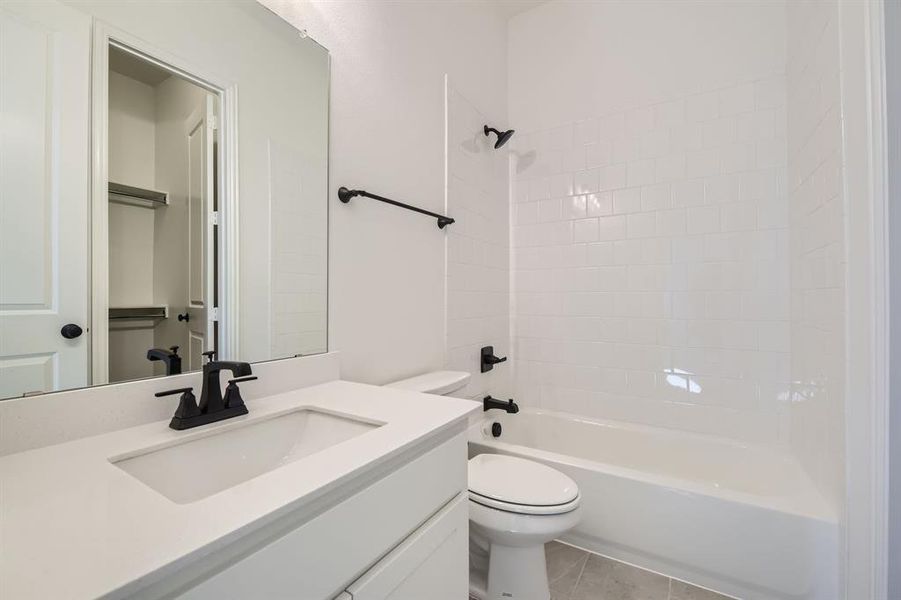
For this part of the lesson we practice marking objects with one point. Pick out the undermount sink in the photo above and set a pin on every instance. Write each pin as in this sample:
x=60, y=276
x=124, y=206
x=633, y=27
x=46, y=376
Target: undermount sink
x=201, y=466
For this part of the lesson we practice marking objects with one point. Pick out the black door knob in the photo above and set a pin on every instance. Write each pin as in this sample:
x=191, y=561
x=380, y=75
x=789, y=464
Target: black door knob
x=70, y=331
x=185, y=317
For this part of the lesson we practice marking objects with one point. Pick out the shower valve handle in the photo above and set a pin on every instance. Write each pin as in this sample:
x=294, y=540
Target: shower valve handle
x=489, y=359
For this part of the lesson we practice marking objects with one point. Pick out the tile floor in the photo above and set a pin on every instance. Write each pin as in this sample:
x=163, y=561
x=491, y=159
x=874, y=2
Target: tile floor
x=578, y=575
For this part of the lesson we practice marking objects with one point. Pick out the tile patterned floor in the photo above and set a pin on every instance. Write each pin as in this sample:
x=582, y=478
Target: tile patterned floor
x=578, y=575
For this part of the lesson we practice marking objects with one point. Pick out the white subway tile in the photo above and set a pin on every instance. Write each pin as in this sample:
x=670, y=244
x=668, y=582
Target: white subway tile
x=538, y=189
x=640, y=172
x=586, y=182
x=671, y=222
x=703, y=219
x=640, y=225
x=574, y=207
x=739, y=216
x=586, y=132
x=585, y=230
x=670, y=168
x=599, y=154
x=560, y=185
x=688, y=193
x=656, y=197
x=627, y=200
x=600, y=253
x=737, y=99
x=612, y=228
x=597, y=205
x=549, y=210
x=702, y=107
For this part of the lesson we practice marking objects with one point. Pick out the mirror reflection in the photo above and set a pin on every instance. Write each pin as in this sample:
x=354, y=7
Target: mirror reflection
x=148, y=220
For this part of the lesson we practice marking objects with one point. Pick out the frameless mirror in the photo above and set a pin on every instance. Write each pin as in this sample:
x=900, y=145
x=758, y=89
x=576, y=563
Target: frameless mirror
x=163, y=180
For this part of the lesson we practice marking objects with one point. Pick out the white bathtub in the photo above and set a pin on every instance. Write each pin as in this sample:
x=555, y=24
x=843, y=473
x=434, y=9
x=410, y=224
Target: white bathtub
x=739, y=519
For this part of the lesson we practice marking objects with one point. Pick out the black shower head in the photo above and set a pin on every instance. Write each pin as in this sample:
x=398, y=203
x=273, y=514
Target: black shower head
x=502, y=136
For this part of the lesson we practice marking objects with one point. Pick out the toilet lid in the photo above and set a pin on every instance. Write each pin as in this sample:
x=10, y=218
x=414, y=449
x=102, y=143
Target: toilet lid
x=518, y=481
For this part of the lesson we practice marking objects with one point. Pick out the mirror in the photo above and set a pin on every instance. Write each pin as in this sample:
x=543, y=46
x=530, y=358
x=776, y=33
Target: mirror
x=163, y=190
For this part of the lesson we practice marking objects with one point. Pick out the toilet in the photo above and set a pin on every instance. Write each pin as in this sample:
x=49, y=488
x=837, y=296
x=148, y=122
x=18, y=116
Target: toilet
x=516, y=506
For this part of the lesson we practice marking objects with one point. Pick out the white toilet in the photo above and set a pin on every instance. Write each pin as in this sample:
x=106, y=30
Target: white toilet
x=515, y=507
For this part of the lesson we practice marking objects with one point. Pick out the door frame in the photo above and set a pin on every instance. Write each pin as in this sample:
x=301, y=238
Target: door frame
x=104, y=36
x=862, y=30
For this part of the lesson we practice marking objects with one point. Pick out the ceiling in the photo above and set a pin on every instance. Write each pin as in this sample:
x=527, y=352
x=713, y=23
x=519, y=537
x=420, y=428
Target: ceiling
x=130, y=65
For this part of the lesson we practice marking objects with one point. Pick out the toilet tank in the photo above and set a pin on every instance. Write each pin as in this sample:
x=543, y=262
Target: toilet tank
x=442, y=383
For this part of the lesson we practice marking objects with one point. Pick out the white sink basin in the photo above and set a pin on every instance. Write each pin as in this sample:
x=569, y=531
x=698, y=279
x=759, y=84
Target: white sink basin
x=201, y=466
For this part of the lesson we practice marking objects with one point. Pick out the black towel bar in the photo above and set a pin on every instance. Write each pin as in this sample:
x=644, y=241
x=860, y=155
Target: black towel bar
x=344, y=195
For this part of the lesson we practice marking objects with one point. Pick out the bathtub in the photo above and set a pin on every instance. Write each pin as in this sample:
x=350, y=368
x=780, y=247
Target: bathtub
x=736, y=518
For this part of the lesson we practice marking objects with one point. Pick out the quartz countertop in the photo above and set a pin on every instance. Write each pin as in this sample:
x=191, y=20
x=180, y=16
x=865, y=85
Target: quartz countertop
x=73, y=525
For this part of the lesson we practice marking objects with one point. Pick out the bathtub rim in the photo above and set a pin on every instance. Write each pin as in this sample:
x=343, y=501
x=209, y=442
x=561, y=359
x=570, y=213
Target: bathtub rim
x=809, y=504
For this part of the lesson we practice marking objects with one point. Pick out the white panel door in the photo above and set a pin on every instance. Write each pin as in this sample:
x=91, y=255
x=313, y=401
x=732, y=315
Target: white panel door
x=201, y=155
x=44, y=112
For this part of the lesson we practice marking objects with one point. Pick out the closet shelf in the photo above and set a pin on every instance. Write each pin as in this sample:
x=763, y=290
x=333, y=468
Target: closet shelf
x=139, y=312
x=135, y=196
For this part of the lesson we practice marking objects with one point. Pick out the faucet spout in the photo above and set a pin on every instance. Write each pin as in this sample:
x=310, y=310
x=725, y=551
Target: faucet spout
x=510, y=406
x=211, y=396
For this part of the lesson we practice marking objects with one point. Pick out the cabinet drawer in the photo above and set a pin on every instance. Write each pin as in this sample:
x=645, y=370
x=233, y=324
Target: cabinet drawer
x=316, y=560
x=431, y=563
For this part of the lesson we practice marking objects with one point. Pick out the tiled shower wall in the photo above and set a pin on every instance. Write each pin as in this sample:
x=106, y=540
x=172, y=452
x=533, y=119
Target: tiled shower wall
x=651, y=263
x=478, y=248
x=817, y=243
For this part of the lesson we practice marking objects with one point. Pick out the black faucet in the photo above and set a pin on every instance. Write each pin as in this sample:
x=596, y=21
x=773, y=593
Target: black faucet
x=211, y=395
x=169, y=357
x=510, y=406
x=212, y=407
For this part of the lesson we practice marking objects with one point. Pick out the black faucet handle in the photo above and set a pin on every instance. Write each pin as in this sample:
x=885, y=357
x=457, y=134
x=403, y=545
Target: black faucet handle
x=187, y=407
x=184, y=390
x=489, y=359
x=233, y=397
x=209, y=355
x=173, y=350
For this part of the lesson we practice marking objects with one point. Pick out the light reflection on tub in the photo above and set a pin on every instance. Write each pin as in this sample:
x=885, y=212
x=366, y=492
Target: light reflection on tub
x=738, y=518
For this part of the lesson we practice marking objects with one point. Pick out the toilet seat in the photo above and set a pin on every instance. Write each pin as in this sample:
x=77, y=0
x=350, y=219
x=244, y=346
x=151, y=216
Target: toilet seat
x=525, y=509
x=520, y=486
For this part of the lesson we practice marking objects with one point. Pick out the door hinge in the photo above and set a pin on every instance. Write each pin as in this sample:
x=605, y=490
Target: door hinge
x=213, y=122
x=214, y=217
x=214, y=313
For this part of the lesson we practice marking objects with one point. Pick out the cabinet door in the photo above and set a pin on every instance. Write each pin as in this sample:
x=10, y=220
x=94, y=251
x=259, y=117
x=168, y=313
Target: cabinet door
x=431, y=563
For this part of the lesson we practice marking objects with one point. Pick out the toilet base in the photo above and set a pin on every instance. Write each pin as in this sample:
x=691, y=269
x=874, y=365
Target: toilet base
x=500, y=572
x=517, y=574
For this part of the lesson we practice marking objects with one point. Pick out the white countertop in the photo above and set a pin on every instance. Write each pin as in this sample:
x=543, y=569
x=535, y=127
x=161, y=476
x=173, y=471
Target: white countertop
x=73, y=525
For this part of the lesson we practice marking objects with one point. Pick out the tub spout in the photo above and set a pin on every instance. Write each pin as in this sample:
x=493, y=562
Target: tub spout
x=510, y=406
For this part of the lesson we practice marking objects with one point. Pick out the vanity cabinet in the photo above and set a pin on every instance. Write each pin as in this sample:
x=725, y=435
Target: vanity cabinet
x=403, y=536
x=425, y=565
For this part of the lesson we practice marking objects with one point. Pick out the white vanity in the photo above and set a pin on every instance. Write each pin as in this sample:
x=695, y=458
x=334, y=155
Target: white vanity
x=336, y=490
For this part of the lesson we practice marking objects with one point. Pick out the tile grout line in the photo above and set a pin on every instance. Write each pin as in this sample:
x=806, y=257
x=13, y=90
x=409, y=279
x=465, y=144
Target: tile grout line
x=581, y=572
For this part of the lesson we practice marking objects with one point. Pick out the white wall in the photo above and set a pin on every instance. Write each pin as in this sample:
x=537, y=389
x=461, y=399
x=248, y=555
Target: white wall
x=583, y=59
x=478, y=248
x=132, y=142
x=817, y=244
x=650, y=230
x=387, y=266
